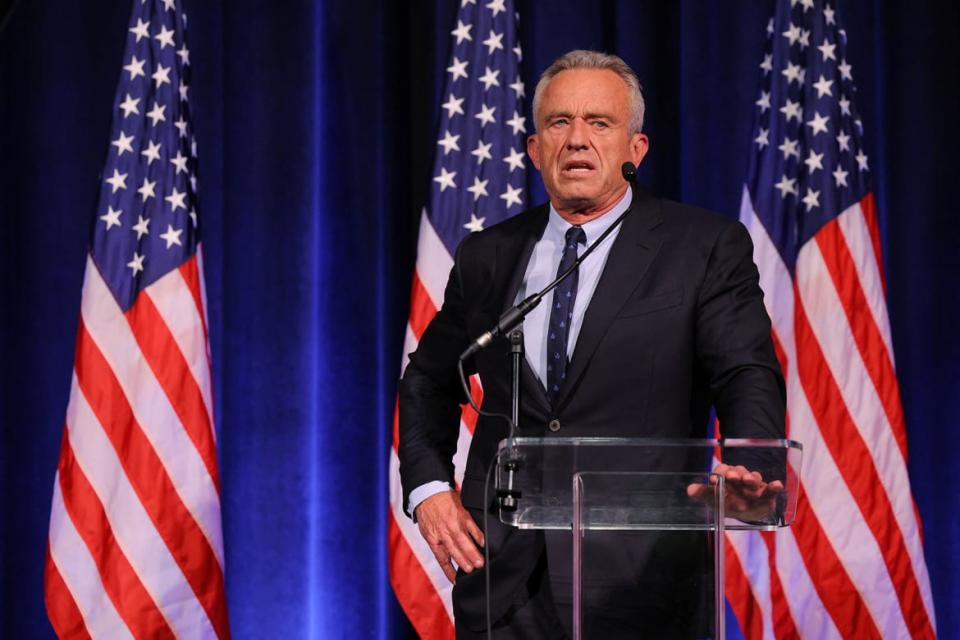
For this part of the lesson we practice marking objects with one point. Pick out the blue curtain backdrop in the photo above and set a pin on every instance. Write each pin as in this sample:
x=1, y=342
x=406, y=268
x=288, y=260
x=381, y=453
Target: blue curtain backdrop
x=316, y=124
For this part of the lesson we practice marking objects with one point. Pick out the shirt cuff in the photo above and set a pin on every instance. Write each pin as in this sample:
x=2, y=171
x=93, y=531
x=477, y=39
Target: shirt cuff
x=423, y=492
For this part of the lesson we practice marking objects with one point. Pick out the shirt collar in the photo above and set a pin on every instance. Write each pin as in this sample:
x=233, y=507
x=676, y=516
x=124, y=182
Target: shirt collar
x=595, y=228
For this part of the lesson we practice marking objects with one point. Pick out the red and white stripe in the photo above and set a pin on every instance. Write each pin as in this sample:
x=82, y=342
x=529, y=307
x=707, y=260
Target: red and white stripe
x=418, y=582
x=852, y=564
x=136, y=545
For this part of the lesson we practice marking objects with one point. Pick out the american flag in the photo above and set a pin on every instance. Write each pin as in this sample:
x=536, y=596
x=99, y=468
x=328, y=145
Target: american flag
x=852, y=564
x=135, y=546
x=479, y=179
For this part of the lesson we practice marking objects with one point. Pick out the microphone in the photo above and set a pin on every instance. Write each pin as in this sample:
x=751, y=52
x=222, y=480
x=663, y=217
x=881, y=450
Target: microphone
x=515, y=315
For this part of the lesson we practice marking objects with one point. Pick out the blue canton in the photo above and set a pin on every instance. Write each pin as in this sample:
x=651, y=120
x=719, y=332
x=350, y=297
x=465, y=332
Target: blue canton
x=146, y=222
x=808, y=164
x=479, y=174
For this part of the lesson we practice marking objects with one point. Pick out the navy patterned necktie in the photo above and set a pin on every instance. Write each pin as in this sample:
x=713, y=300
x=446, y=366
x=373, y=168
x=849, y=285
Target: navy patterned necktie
x=561, y=314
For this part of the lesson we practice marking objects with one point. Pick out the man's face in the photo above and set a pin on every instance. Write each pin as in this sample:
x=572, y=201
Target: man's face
x=583, y=138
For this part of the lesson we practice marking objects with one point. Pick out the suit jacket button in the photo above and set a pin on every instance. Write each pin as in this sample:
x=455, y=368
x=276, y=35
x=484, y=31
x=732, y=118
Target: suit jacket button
x=554, y=425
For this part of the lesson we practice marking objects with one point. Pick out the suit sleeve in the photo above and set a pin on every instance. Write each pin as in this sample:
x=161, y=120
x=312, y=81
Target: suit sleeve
x=431, y=395
x=734, y=343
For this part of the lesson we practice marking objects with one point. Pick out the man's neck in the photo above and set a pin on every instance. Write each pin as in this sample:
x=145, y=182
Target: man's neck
x=582, y=215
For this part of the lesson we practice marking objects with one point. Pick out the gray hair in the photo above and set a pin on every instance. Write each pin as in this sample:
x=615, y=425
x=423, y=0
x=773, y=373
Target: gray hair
x=583, y=59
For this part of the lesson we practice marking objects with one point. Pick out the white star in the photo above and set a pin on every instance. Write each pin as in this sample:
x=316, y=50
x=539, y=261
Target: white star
x=793, y=73
x=180, y=162
x=136, y=264
x=462, y=32
x=176, y=200
x=807, y=4
x=840, y=176
x=184, y=54
x=515, y=160
x=135, y=68
x=792, y=110
x=449, y=142
x=183, y=91
x=482, y=151
x=494, y=41
x=475, y=224
x=804, y=39
x=165, y=37
x=862, y=160
x=496, y=6
x=845, y=69
x=156, y=114
x=464, y=3
x=142, y=227
x=789, y=148
x=152, y=152
x=812, y=199
x=140, y=30
x=479, y=188
x=445, y=179
x=193, y=216
x=169, y=4
x=489, y=79
x=453, y=106
x=517, y=123
x=118, y=181
x=511, y=196
x=792, y=34
x=193, y=182
x=828, y=13
x=764, y=101
x=123, y=144
x=762, y=139
x=767, y=64
x=823, y=87
x=518, y=87
x=818, y=124
x=161, y=75
x=770, y=27
x=130, y=106
x=844, y=141
x=112, y=217
x=814, y=161
x=844, y=106
x=786, y=185
x=486, y=115
x=519, y=52
x=181, y=124
x=458, y=69
x=146, y=189
x=172, y=236
x=826, y=50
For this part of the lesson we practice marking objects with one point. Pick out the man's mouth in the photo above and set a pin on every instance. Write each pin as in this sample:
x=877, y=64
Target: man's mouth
x=575, y=167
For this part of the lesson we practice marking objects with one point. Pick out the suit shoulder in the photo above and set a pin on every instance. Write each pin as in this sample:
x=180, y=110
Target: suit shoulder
x=701, y=223
x=509, y=228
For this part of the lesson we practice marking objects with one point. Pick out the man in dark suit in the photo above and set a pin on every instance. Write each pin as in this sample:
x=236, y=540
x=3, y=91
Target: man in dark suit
x=664, y=320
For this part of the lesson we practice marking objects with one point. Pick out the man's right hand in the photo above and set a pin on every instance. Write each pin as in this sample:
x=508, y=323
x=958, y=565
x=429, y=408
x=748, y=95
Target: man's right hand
x=451, y=533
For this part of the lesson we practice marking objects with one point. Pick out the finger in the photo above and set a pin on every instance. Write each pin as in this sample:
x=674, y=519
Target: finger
x=469, y=549
x=458, y=554
x=474, y=530
x=443, y=559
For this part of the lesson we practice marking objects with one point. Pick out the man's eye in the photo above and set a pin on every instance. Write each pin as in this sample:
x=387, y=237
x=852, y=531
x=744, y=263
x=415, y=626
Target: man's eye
x=600, y=124
x=559, y=122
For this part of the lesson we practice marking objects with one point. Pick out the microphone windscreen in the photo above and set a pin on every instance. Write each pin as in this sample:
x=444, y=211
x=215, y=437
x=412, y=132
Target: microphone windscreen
x=629, y=171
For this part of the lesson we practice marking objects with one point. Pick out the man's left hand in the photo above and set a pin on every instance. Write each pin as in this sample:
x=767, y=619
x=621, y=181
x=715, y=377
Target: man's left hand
x=746, y=495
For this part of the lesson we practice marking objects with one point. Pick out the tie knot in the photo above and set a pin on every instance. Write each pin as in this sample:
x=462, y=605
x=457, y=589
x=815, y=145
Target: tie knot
x=575, y=236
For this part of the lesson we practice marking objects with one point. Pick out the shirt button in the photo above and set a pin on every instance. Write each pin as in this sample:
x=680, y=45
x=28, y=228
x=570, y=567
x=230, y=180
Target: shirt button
x=554, y=425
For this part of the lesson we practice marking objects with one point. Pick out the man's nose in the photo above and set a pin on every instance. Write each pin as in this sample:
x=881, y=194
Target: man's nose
x=578, y=137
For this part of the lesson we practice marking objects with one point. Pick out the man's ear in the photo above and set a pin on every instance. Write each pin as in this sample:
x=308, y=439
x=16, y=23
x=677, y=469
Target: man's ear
x=639, y=145
x=533, y=150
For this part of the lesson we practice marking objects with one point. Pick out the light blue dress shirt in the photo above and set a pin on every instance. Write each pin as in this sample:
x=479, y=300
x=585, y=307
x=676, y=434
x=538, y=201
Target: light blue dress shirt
x=541, y=271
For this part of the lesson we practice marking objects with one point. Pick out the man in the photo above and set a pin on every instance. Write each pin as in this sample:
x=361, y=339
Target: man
x=662, y=321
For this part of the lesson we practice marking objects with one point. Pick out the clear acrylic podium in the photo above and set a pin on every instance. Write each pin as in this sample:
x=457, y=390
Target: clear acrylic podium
x=652, y=510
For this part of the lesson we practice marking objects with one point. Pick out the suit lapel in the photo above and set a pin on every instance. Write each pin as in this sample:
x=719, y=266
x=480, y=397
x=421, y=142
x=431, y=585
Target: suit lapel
x=513, y=258
x=634, y=250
